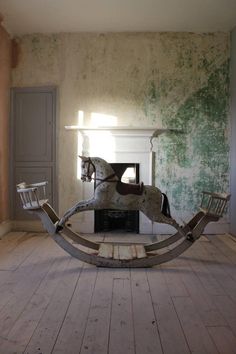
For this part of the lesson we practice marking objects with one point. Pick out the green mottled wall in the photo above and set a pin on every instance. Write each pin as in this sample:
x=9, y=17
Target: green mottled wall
x=173, y=80
x=197, y=159
x=233, y=133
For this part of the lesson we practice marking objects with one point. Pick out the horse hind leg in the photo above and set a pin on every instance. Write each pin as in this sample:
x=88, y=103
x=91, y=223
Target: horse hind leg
x=166, y=216
x=179, y=228
x=161, y=218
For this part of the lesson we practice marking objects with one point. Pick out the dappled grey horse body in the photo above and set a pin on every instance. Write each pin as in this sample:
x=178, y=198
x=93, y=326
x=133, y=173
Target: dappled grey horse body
x=111, y=193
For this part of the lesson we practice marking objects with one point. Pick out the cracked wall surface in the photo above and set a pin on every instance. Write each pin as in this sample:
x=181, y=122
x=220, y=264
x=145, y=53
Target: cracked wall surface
x=170, y=80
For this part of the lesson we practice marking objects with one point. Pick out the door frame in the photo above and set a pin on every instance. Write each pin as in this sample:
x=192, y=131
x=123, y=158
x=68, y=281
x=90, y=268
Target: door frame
x=44, y=89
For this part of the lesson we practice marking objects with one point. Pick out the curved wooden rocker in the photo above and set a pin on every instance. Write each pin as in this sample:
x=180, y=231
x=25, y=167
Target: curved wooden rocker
x=120, y=255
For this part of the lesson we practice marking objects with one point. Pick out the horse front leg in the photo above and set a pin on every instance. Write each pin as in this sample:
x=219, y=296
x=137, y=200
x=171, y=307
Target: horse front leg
x=77, y=208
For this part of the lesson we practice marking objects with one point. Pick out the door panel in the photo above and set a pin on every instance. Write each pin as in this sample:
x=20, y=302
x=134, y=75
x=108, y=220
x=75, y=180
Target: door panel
x=33, y=124
x=33, y=146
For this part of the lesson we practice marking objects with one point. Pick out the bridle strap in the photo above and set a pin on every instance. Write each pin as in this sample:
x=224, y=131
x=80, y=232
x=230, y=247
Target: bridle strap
x=102, y=180
x=90, y=162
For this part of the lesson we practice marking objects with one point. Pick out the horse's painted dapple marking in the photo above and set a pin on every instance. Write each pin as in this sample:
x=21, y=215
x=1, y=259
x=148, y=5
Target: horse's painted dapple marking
x=150, y=201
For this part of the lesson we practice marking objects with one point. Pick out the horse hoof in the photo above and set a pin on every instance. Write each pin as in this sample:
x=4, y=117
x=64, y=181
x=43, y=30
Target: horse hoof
x=190, y=237
x=59, y=228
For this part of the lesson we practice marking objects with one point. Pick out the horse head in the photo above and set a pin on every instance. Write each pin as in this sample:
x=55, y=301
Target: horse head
x=87, y=169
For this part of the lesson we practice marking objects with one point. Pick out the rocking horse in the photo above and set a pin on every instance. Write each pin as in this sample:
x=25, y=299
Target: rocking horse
x=111, y=193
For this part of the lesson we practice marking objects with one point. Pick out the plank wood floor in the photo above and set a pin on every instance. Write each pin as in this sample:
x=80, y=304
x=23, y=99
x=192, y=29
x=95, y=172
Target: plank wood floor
x=52, y=303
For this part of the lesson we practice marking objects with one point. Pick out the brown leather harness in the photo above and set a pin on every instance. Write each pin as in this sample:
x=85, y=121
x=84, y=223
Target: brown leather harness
x=102, y=180
x=121, y=188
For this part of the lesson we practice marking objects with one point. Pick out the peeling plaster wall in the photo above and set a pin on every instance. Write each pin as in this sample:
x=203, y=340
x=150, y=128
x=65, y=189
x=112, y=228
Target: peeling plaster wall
x=233, y=135
x=5, y=70
x=173, y=80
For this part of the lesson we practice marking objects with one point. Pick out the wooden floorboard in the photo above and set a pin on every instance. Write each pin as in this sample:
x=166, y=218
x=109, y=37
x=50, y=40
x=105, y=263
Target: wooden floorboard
x=96, y=336
x=52, y=319
x=72, y=331
x=121, y=339
x=171, y=334
x=146, y=334
x=52, y=303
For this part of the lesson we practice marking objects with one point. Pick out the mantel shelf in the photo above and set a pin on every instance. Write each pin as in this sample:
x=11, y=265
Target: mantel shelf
x=123, y=130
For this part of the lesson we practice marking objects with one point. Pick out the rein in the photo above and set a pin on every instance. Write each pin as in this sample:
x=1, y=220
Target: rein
x=107, y=179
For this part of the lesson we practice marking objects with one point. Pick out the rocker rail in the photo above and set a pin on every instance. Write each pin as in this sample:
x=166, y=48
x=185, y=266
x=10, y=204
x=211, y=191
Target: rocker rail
x=118, y=255
x=94, y=255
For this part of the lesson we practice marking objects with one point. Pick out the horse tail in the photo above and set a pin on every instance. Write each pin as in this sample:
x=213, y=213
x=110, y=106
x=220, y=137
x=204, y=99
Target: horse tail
x=165, y=209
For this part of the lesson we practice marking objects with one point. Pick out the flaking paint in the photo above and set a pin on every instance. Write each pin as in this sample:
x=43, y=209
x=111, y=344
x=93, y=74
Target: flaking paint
x=201, y=154
x=172, y=80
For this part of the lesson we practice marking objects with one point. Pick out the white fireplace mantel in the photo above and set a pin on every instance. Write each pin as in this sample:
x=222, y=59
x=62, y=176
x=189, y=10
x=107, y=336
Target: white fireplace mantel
x=118, y=144
x=150, y=132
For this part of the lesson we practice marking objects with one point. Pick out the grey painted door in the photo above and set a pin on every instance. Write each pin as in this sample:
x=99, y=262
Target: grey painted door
x=33, y=145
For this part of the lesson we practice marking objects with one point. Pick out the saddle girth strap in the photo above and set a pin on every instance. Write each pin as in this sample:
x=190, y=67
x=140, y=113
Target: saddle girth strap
x=107, y=179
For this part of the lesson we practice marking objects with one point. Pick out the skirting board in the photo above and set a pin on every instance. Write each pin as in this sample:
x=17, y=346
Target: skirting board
x=28, y=226
x=5, y=227
x=212, y=228
x=232, y=236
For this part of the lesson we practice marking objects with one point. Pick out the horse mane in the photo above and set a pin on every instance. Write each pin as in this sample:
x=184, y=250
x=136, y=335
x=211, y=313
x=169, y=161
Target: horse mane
x=96, y=160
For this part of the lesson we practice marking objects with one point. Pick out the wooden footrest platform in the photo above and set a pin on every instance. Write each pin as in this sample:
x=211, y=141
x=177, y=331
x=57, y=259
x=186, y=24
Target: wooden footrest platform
x=122, y=252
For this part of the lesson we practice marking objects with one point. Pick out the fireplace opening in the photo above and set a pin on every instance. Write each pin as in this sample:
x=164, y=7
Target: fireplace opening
x=113, y=220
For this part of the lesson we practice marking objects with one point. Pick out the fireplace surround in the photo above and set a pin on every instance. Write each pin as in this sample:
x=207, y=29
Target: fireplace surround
x=108, y=220
x=123, y=145
x=115, y=145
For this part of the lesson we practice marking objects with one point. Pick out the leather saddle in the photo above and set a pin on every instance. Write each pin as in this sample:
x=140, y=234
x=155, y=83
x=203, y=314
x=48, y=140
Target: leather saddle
x=129, y=188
